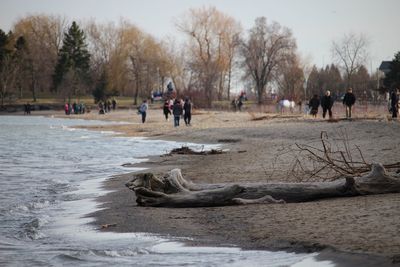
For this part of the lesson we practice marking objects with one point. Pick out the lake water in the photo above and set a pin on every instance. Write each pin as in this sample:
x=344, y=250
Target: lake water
x=50, y=175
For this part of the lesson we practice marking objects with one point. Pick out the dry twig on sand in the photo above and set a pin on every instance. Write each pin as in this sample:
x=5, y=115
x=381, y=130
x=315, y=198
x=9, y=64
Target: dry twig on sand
x=331, y=160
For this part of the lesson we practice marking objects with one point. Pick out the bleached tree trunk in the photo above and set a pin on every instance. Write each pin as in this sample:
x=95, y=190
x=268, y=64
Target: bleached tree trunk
x=173, y=190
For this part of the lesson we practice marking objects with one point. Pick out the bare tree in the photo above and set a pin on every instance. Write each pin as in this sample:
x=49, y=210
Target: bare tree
x=8, y=74
x=350, y=53
x=266, y=47
x=290, y=79
x=102, y=43
x=43, y=35
x=210, y=33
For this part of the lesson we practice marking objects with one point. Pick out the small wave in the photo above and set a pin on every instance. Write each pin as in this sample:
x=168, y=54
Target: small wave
x=108, y=132
x=39, y=204
x=66, y=257
x=32, y=231
x=20, y=207
x=128, y=252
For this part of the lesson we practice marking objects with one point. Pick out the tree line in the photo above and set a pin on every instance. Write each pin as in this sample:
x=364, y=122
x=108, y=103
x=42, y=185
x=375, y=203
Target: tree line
x=49, y=56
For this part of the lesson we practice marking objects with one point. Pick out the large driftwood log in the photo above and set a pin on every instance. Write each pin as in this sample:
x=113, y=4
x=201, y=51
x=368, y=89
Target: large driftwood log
x=173, y=190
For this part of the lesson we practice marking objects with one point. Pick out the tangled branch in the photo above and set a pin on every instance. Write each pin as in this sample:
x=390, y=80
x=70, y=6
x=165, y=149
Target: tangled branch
x=332, y=159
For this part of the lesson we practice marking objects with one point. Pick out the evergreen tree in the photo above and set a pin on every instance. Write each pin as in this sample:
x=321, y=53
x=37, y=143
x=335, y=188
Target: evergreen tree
x=99, y=92
x=4, y=42
x=8, y=66
x=73, y=58
x=392, y=79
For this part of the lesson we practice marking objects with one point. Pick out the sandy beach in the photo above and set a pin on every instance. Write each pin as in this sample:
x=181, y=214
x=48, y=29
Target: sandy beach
x=365, y=225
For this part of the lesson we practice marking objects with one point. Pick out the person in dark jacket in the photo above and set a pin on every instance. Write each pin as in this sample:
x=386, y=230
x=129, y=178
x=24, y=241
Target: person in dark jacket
x=177, y=110
x=327, y=104
x=166, y=109
x=348, y=100
x=114, y=104
x=187, y=107
x=27, y=108
x=394, y=103
x=314, y=105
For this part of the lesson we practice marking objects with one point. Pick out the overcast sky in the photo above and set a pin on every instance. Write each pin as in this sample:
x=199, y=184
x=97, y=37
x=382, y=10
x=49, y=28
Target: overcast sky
x=315, y=23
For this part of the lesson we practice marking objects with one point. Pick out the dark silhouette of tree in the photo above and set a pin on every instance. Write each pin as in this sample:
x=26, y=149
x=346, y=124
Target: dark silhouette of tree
x=73, y=62
x=100, y=92
x=4, y=49
x=8, y=66
x=328, y=78
x=392, y=79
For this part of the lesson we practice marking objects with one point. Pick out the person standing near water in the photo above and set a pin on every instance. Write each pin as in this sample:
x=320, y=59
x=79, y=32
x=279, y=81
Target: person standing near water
x=143, y=110
x=27, y=109
x=66, y=109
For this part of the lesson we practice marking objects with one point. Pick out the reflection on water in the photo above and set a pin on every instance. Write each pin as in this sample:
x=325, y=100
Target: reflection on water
x=49, y=176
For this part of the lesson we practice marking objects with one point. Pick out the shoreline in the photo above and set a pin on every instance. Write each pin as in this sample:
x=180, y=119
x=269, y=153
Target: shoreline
x=206, y=229
x=354, y=230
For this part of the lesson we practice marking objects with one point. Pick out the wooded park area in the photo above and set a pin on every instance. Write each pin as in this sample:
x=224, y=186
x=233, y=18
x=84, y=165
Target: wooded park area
x=46, y=55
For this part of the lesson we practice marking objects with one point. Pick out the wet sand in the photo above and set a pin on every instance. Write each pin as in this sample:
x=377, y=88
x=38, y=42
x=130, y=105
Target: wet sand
x=366, y=225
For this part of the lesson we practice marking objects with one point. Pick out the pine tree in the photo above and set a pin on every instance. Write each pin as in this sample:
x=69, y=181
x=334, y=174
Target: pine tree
x=4, y=42
x=392, y=79
x=73, y=58
x=99, y=93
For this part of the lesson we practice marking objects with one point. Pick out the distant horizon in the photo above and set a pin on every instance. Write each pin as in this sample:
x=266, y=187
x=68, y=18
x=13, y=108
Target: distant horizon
x=315, y=24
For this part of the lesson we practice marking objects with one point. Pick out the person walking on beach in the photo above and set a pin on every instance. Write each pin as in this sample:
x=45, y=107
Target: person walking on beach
x=394, y=103
x=348, y=100
x=177, y=110
x=167, y=109
x=314, y=105
x=187, y=107
x=27, y=108
x=101, y=107
x=326, y=104
x=114, y=103
x=143, y=110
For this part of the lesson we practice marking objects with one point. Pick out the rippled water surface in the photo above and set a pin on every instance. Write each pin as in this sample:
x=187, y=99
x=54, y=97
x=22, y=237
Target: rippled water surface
x=50, y=174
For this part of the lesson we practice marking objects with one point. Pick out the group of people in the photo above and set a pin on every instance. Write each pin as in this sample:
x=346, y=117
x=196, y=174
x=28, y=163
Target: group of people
x=327, y=102
x=27, y=109
x=349, y=100
x=75, y=108
x=105, y=107
x=237, y=104
x=177, y=108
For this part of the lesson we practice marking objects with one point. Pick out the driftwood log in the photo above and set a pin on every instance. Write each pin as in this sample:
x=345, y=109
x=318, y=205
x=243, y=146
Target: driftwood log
x=173, y=190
